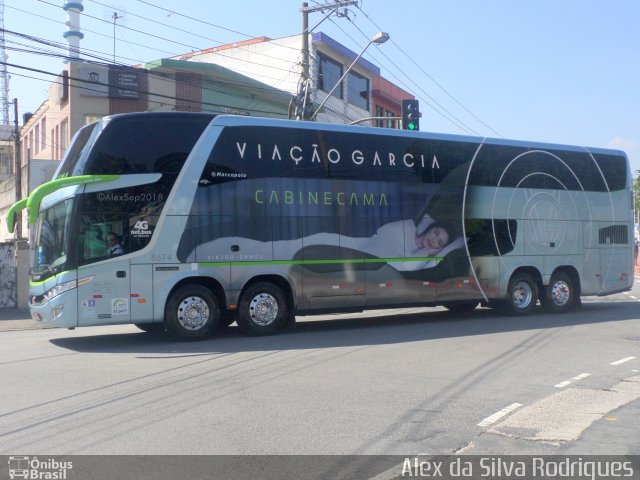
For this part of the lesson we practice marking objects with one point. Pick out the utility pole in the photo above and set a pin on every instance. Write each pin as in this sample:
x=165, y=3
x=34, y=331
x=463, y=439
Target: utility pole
x=4, y=75
x=302, y=101
x=305, y=42
x=18, y=165
x=115, y=17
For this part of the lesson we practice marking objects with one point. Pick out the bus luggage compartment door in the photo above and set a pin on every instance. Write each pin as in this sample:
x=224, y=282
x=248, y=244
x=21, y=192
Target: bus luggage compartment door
x=333, y=277
x=141, y=293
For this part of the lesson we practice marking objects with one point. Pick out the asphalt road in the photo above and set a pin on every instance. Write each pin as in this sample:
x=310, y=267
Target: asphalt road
x=405, y=382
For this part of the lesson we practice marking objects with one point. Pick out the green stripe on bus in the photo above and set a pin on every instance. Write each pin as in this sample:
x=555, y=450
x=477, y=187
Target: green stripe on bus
x=13, y=212
x=35, y=197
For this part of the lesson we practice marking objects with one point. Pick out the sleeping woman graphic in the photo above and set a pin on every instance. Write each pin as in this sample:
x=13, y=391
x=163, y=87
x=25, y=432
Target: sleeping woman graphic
x=408, y=245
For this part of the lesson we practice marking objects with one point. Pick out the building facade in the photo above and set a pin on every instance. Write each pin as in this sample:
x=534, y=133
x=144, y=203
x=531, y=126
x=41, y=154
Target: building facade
x=363, y=93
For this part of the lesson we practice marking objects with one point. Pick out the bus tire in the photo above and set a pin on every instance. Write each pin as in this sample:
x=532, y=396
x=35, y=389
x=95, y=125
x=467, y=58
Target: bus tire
x=462, y=307
x=560, y=295
x=522, y=294
x=263, y=309
x=191, y=313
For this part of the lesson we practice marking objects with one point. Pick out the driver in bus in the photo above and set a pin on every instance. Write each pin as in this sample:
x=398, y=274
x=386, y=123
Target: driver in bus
x=114, y=246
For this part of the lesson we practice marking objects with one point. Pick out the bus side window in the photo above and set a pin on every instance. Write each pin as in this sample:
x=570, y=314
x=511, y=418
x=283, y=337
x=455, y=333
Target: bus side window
x=487, y=237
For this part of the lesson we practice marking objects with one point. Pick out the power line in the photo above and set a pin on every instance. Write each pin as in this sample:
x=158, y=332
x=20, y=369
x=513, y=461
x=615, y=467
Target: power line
x=139, y=91
x=460, y=125
x=4, y=76
x=431, y=78
x=447, y=115
x=173, y=12
x=173, y=54
x=172, y=27
x=158, y=37
x=96, y=33
x=105, y=62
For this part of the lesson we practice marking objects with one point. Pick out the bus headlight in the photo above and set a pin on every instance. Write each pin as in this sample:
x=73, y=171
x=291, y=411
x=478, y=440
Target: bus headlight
x=65, y=287
x=57, y=310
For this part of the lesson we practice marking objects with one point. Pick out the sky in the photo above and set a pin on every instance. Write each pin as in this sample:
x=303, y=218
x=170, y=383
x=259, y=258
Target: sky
x=564, y=72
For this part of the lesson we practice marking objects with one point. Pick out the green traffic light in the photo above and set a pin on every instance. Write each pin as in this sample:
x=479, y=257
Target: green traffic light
x=412, y=126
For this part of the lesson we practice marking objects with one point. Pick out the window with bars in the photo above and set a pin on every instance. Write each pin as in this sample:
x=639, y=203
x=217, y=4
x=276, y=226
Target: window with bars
x=358, y=90
x=329, y=72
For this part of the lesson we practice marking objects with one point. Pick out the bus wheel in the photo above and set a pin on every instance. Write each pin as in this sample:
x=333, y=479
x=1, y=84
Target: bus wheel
x=463, y=307
x=522, y=294
x=192, y=312
x=262, y=310
x=559, y=296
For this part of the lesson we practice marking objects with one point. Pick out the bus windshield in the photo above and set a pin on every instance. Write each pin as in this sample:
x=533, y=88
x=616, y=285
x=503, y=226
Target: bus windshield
x=52, y=237
x=82, y=139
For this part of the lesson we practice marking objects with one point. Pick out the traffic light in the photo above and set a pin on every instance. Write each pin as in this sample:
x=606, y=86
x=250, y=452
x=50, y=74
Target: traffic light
x=410, y=114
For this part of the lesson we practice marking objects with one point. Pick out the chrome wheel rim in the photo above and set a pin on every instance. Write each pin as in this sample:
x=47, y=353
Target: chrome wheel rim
x=263, y=309
x=560, y=293
x=522, y=295
x=193, y=313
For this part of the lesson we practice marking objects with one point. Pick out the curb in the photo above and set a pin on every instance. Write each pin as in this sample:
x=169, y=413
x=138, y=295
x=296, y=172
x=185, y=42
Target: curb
x=16, y=319
x=13, y=325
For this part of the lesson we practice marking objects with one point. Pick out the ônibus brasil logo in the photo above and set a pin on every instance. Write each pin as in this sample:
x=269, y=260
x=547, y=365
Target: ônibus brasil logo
x=38, y=469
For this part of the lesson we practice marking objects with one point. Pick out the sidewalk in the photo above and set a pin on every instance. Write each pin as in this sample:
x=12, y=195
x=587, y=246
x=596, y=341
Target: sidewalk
x=16, y=319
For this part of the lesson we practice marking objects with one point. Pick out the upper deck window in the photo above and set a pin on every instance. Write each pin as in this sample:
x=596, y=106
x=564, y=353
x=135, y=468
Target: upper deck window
x=146, y=144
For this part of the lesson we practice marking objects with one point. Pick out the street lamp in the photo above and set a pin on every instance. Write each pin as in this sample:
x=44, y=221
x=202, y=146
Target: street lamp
x=378, y=38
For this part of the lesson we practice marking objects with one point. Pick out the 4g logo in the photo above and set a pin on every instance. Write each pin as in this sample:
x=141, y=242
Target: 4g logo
x=141, y=225
x=141, y=229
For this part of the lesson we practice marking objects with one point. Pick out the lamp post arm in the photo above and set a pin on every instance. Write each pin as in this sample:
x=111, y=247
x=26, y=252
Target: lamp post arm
x=355, y=122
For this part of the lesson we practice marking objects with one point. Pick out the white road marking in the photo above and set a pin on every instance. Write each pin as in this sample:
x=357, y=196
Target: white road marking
x=624, y=360
x=574, y=379
x=498, y=415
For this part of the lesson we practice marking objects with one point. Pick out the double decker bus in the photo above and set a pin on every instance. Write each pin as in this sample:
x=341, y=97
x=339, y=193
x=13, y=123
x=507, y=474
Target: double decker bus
x=184, y=222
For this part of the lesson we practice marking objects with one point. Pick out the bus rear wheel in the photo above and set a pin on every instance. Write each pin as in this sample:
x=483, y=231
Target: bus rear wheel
x=263, y=309
x=559, y=295
x=192, y=312
x=522, y=294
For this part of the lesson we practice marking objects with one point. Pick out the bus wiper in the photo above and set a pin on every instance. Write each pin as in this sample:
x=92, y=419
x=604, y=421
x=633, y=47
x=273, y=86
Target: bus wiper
x=44, y=270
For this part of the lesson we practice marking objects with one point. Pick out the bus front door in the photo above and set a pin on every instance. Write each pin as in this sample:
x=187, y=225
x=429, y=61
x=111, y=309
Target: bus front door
x=106, y=298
